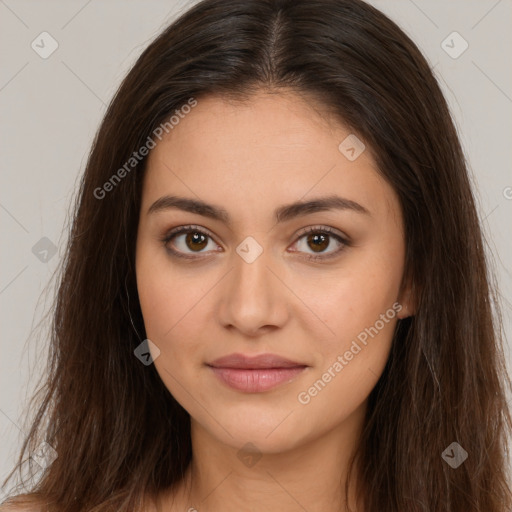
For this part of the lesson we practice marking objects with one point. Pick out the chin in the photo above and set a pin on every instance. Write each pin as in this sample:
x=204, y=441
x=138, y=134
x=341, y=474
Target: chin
x=265, y=434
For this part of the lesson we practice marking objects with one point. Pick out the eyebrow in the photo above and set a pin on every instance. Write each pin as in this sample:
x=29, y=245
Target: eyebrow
x=282, y=214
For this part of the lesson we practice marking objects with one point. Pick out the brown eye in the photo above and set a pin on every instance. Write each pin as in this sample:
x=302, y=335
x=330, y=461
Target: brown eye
x=195, y=240
x=187, y=240
x=317, y=241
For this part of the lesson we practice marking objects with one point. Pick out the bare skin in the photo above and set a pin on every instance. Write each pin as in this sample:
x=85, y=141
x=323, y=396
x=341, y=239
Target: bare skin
x=250, y=159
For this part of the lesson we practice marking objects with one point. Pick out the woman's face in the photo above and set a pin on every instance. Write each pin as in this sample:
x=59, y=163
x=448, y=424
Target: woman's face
x=243, y=281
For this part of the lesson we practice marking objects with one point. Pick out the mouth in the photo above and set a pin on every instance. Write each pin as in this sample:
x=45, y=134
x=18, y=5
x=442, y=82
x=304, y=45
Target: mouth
x=254, y=374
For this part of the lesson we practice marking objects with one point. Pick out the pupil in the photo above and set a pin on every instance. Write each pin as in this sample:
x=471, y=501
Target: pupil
x=316, y=238
x=193, y=239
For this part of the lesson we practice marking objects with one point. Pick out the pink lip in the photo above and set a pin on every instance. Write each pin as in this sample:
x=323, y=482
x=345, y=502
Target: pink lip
x=257, y=373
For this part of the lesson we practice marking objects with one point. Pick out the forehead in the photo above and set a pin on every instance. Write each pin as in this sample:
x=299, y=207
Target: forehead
x=270, y=149
x=273, y=125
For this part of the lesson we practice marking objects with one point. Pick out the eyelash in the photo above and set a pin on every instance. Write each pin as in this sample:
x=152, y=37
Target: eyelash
x=324, y=230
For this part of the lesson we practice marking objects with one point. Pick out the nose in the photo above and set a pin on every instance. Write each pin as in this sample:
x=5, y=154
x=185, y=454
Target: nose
x=254, y=299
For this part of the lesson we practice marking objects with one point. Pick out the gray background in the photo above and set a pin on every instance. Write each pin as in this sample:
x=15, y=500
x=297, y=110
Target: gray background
x=50, y=109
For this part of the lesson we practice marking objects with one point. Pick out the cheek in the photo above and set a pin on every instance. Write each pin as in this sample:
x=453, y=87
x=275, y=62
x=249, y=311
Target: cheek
x=359, y=313
x=354, y=301
x=165, y=298
x=174, y=304
x=170, y=310
x=156, y=299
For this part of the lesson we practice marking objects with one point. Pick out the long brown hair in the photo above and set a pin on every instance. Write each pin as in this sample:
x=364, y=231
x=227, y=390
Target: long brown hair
x=119, y=434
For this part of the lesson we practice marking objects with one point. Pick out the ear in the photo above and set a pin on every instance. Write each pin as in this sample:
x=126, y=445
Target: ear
x=407, y=299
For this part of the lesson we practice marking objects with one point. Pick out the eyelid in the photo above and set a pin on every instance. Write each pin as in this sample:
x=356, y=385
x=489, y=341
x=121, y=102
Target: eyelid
x=187, y=227
x=323, y=229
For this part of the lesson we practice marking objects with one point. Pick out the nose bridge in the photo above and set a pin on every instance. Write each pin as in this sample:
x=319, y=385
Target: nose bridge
x=251, y=268
x=254, y=296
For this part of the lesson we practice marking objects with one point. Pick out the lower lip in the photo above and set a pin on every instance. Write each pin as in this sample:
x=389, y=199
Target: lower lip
x=254, y=381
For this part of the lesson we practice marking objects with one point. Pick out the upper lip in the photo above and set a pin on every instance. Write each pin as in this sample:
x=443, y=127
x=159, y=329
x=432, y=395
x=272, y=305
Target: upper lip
x=254, y=362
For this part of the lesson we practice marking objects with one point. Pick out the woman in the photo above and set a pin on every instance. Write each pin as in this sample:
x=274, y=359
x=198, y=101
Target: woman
x=275, y=295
